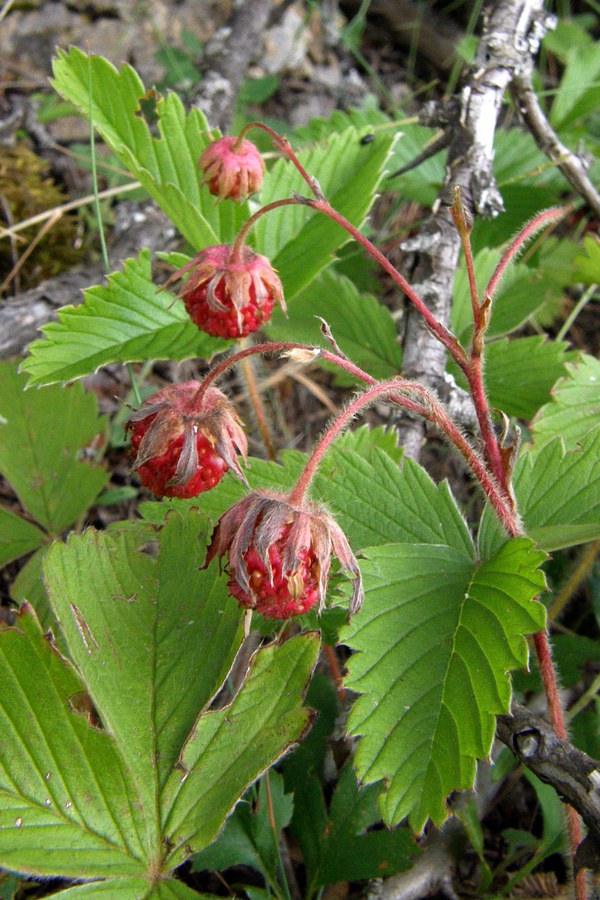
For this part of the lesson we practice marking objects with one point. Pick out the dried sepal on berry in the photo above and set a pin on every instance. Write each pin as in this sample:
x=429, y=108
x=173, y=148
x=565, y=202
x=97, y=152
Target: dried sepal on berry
x=229, y=293
x=279, y=554
x=231, y=168
x=183, y=441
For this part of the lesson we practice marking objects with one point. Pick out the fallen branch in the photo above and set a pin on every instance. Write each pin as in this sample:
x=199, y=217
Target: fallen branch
x=570, y=163
x=574, y=775
x=136, y=225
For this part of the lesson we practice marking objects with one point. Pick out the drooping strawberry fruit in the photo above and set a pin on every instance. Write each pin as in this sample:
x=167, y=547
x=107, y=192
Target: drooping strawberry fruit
x=279, y=554
x=230, y=292
x=183, y=440
x=231, y=168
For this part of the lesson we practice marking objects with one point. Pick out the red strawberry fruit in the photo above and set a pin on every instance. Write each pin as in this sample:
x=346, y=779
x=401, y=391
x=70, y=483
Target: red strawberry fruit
x=230, y=291
x=183, y=440
x=231, y=168
x=279, y=554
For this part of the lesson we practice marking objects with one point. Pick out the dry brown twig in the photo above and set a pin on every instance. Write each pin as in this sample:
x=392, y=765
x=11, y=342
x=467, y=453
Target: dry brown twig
x=571, y=164
x=574, y=775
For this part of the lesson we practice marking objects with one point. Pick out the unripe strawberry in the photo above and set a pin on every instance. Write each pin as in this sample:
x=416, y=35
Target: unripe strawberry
x=279, y=554
x=183, y=441
x=231, y=168
x=230, y=293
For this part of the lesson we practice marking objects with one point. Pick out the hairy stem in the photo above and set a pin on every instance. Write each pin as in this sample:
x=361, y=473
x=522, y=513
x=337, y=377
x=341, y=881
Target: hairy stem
x=249, y=223
x=474, y=372
x=282, y=144
x=443, y=335
x=427, y=406
x=373, y=393
x=531, y=228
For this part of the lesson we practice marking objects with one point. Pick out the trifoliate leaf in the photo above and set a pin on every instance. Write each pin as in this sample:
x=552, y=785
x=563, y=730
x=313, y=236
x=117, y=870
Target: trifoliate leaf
x=141, y=771
x=128, y=319
x=436, y=637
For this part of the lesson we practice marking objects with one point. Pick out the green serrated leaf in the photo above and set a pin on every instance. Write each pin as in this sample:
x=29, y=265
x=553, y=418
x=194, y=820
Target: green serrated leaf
x=138, y=624
x=165, y=164
x=437, y=635
x=66, y=801
x=574, y=409
x=41, y=441
x=558, y=496
x=520, y=373
x=365, y=439
x=301, y=242
x=378, y=502
x=362, y=327
x=230, y=747
x=127, y=320
x=367, y=119
x=17, y=536
x=559, y=493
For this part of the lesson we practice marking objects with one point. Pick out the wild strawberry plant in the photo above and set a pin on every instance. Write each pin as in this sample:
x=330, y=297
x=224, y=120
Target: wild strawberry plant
x=125, y=752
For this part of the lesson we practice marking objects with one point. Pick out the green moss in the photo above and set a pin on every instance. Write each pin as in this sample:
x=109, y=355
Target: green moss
x=27, y=190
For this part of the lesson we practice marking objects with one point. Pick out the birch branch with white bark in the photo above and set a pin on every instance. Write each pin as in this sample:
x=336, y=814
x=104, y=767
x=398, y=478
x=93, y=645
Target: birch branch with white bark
x=509, y=40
